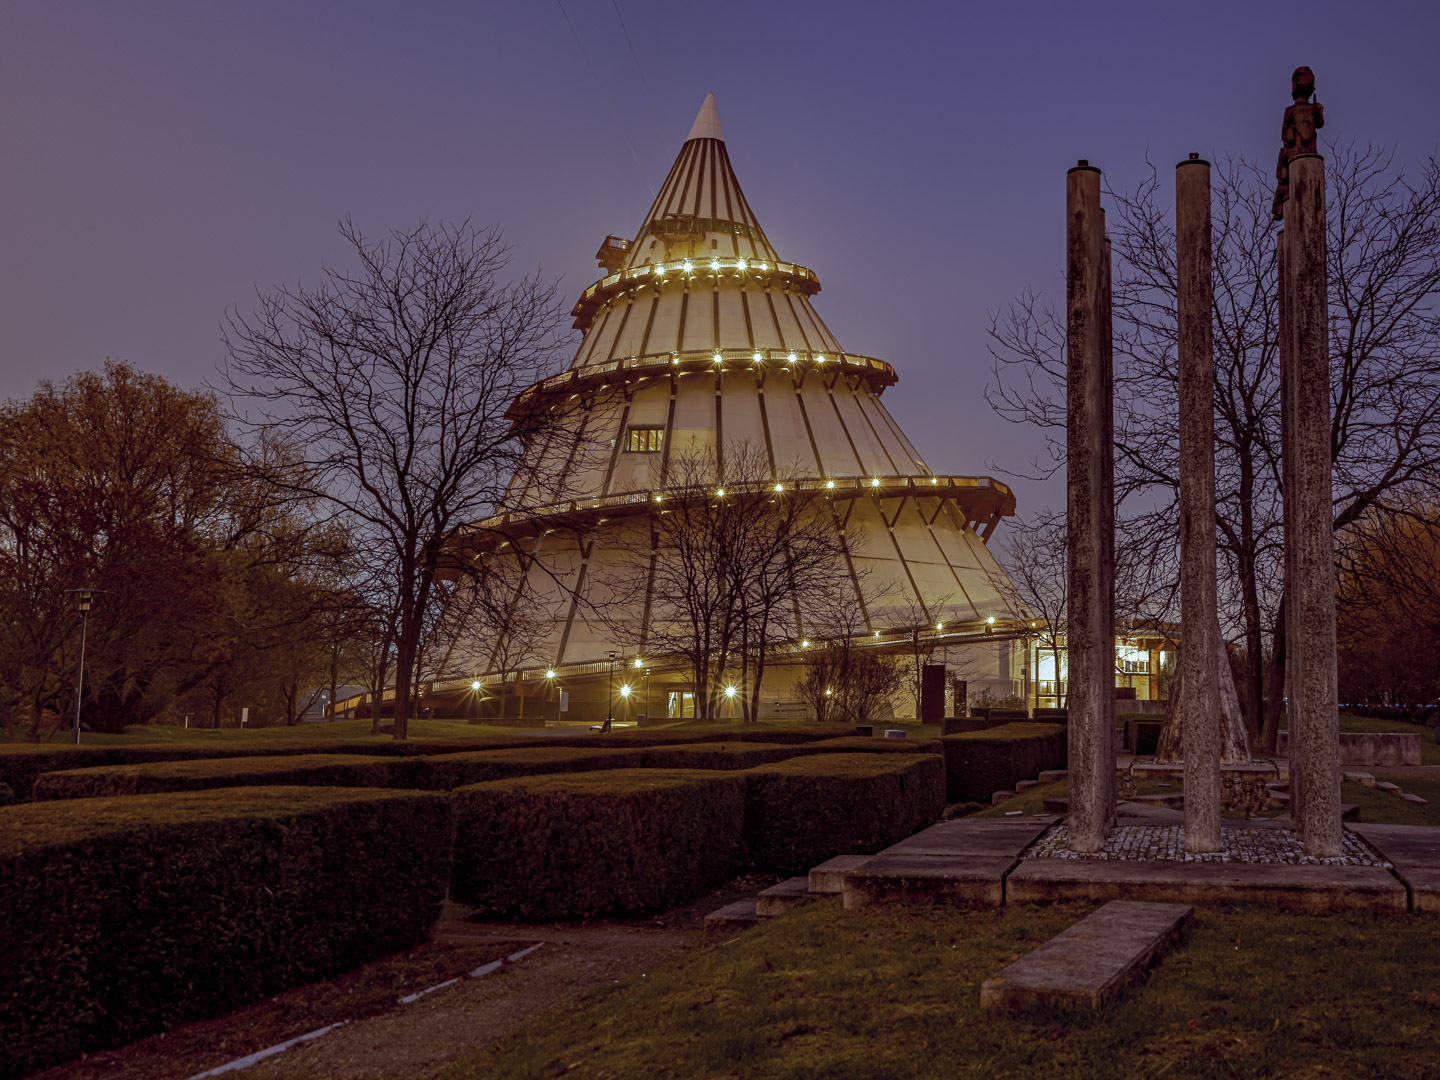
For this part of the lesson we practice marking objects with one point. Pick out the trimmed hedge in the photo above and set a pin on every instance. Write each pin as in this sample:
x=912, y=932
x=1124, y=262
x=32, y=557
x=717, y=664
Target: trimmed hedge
x=323, y=770
x=126, y=916
x=721, y=755
x=446, y=771
x=806, y=810
x=22, y=763
x=627, y=840
x=980, y=763
x=860, y=744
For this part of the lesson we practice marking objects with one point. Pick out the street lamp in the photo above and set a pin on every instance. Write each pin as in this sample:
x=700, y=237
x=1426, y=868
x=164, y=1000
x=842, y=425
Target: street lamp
x=610, y=697
x=647, y=697
x=83, y=598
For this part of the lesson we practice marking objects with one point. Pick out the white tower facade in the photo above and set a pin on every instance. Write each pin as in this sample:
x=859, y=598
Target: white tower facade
x=700, y=339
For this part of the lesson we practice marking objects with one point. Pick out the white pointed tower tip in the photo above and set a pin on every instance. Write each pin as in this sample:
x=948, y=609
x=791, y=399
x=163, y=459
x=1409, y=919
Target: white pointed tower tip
x=707, y=122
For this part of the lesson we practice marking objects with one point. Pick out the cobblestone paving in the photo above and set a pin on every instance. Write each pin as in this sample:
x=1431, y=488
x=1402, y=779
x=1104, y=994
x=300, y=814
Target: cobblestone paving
x=1166, y=843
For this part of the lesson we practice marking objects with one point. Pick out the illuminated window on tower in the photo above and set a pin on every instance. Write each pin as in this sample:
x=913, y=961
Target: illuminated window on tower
x=644, y=440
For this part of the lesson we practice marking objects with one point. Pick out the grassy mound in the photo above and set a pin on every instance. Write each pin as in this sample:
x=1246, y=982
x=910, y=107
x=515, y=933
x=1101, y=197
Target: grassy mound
x=980, y=763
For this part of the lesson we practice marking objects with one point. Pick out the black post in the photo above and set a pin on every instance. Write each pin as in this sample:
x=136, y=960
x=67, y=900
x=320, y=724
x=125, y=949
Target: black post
x=80, y=674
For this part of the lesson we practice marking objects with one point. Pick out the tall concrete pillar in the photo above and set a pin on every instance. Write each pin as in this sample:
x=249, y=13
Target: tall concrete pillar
x=1199, y=686
x=1090, y=624
x=1314, y=725
x=1287, y=481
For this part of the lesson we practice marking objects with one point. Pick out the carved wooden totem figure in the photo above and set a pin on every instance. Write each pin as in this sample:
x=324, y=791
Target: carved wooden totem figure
x=1297, y=133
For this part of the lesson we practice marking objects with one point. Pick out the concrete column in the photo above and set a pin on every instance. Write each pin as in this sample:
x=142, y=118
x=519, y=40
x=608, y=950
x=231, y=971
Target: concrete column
x=1315, y=728
x=1200, y=710
x=1090, y=626
x=1287, y=480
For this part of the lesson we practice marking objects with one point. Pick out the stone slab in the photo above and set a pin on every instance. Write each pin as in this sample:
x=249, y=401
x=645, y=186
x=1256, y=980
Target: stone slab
x=1051, y=776
x=828, y=879
x=731, y=919
x=997, y=797
x=1091, y=962
x=780, y=898
x=1174, y=800
x=989, y=838
x=1424, y=883
x=1307, y=889
x=1022, y=786
x=1403, y=845
x=1365, y=779
x=1415, y=800
x=965, y=880
x=895, y=733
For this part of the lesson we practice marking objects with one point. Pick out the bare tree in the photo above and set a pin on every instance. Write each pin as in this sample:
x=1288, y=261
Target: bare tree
x=729, y=569
x=1384, y=243
x=396, y=381
x=1034, y=582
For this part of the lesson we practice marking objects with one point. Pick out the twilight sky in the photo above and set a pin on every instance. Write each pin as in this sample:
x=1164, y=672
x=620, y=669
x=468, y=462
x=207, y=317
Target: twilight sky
x=160, y=162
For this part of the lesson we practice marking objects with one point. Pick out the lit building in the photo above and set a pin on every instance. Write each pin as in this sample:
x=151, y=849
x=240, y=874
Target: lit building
x=698, y=338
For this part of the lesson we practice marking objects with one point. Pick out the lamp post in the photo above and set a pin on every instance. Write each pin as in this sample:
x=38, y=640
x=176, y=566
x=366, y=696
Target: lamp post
x=83, y=598
x=647, y=698
x=610, y=696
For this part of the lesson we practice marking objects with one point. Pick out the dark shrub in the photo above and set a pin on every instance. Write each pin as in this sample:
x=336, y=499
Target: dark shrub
x=860, y=744
x=720, y=755
x=803, y=811
x=979, y=763
x=446, y=771
x=126, y=916
x=628, y=840
x=324, y=770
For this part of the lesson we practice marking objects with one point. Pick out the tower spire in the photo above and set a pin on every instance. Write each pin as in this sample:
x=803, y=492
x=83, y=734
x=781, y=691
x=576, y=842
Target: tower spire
x=707, y=122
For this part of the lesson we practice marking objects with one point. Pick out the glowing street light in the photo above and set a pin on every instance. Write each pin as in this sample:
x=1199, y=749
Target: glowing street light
x=829, y=483
x=624, y=690
x=550, y=673
x=474, y=684
x=730, y=691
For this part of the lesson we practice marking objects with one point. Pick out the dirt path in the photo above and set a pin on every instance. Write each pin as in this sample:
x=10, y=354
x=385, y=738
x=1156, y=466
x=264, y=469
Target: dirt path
x=414, y=1041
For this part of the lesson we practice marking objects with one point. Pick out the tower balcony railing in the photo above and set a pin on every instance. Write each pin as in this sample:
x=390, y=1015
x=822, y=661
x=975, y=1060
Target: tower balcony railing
x=799, y=364
x=684, y=271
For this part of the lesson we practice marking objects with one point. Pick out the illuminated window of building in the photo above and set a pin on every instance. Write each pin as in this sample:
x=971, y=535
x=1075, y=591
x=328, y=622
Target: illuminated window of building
x=644, y=440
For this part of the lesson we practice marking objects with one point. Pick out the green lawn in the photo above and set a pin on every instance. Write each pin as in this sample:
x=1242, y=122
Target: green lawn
x=894, y=992
x=1383, y=808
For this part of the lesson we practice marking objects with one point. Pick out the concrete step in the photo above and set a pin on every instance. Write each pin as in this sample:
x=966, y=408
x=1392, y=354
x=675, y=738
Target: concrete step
x=828, y=879
x=731, y=919
x=1364, y=778
x=1023, y=786
x=1090, y=963
x=780, y=898
x=1173, y=800
x=1415, y=800
x=1050, y=776
x=1385, y=785
x=1055, y=806
x=996, y=798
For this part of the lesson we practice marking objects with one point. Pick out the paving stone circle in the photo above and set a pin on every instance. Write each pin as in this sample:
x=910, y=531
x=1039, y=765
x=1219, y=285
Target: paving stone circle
x=1166, y=843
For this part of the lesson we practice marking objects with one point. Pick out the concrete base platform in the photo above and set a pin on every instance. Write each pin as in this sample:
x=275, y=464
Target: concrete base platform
x=780, y=898
x=1308, y=889
x=731, y=919
x=980, y=837
x=829, y=877
x=1092, y=961
x=1415, y=852
x=966, y=880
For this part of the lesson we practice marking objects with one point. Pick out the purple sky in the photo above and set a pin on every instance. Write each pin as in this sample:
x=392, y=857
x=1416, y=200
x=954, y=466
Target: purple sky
x=161, y=162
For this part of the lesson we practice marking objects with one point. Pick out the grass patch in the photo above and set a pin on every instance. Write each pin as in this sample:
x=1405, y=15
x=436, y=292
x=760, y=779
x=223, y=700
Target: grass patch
x=1383, y=808
x=894, y=992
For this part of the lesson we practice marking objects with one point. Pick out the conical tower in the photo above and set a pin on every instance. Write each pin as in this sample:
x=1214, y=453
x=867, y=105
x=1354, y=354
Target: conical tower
x=701, y=338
